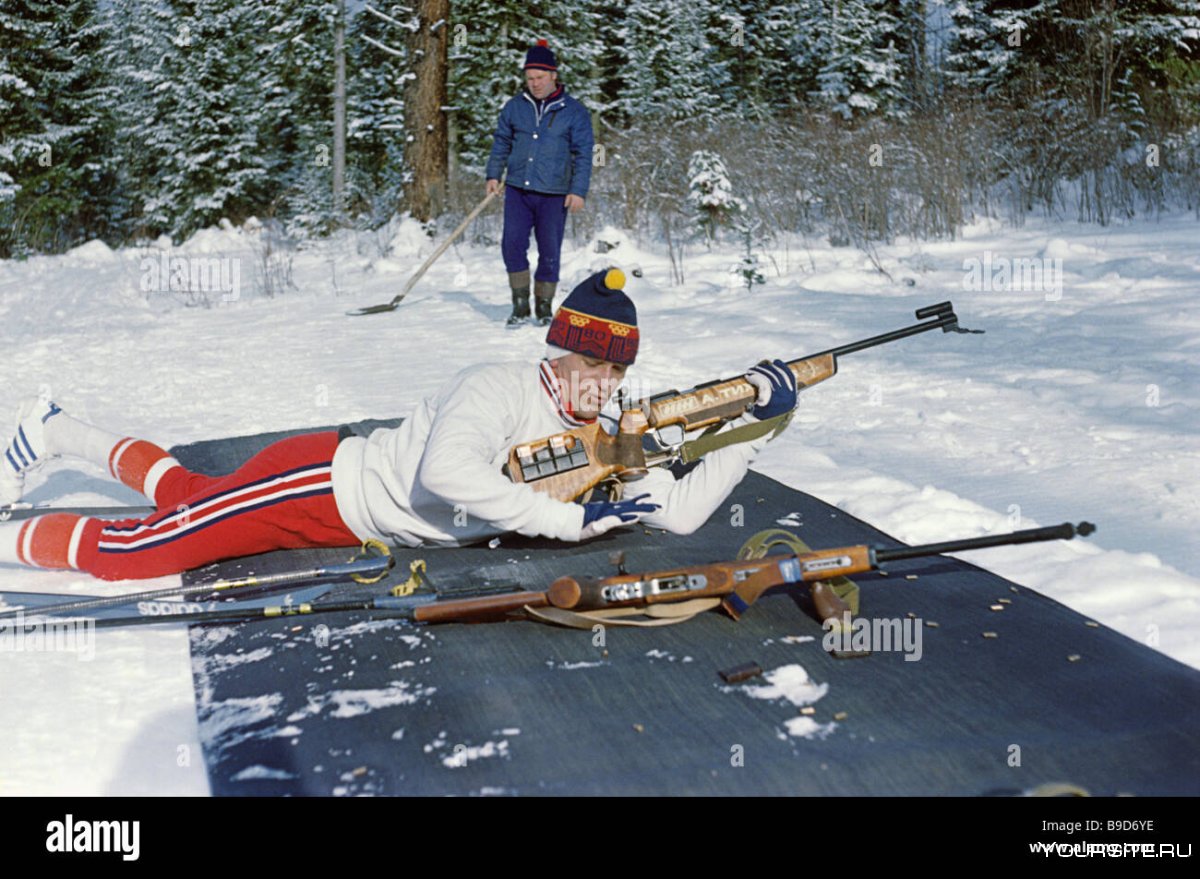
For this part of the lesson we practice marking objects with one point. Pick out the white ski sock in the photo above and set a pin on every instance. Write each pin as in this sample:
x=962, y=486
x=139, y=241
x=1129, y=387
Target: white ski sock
x=137, y=463
x=70, y=436
x=9, y=531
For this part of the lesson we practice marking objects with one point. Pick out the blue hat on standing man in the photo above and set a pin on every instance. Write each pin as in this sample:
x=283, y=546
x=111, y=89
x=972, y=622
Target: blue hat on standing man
x=540, y=57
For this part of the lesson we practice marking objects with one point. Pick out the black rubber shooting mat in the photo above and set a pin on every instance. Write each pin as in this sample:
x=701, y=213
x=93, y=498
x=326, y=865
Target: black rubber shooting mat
x=346, y=705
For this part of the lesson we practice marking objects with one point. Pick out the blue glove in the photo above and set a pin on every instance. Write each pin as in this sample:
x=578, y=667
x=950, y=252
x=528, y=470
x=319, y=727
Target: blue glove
x=602, y=516
x=776, y=386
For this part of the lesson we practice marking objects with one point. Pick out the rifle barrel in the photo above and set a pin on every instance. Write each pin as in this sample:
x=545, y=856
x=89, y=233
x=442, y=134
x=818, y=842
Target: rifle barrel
x=946, y=319
x=1064, y=531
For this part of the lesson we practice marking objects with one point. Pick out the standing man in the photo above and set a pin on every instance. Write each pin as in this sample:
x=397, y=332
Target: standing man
x=544, y=140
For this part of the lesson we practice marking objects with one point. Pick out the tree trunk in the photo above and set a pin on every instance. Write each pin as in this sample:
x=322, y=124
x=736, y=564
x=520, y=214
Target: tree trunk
x=427, y=150
x=921, y=90
x=339, y=113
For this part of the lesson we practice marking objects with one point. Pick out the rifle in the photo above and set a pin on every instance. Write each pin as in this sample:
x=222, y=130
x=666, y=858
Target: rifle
x=569, y=464
x=738, y=584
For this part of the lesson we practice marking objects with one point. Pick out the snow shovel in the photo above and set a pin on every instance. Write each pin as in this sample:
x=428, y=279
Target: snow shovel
x=391, y=306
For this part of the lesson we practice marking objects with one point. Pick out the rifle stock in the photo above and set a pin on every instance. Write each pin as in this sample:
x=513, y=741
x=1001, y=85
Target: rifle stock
x=569, y=464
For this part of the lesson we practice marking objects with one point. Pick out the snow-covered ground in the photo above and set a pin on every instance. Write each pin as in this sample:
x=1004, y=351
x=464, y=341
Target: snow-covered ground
x=1079, y=402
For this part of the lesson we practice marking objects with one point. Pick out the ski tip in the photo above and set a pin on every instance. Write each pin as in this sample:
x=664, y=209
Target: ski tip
x=1083, y=529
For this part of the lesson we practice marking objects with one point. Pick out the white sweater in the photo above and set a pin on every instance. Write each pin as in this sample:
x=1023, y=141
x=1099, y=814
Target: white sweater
x=436, y=479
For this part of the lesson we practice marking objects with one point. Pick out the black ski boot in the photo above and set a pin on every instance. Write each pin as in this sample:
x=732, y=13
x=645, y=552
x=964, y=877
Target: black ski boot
x=519, y=283
x=543, y=297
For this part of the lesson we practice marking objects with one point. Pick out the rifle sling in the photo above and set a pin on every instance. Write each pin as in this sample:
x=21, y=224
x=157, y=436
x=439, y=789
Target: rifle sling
x=665, y=614
x=714, y=438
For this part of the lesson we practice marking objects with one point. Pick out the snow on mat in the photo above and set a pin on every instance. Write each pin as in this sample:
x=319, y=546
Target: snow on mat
x=339, y=708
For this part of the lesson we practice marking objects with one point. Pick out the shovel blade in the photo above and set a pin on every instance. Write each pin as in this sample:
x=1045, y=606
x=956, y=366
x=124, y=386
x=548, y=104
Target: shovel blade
x=377, y=309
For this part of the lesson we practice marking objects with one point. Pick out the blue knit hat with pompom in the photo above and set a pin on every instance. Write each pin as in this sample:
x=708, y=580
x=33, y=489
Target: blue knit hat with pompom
x=598, y=319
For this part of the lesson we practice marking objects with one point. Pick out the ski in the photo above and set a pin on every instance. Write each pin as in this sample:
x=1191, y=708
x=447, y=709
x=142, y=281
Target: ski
x=405, y=607
x=402, y=602
x=161, y=610
x=31, y=601
x=16, y=512
x=363, y=570
x=298, y=605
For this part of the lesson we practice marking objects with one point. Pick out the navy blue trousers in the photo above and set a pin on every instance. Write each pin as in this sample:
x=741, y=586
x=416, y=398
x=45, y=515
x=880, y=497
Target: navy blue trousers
x=546, y=216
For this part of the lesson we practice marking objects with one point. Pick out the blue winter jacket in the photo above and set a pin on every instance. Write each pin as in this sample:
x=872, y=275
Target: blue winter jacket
x=549, y=152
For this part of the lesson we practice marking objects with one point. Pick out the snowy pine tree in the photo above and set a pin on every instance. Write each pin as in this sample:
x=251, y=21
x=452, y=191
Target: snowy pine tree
x=754, y=43
x=484, y=71
x=377, y=72
x=710, y=194
x=221, y=166
x=1079, y=48
x=670, y=66
x=293, y=60
x=986, y=42
x=1127, y=106
x=859, y=56
x=195, y=112
x=749, y=268
x=23, y=123
x=57, y=172
x=141, y=45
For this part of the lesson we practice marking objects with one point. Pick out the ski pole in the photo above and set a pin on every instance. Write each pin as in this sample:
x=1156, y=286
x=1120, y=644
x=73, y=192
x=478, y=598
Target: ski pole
x=366, y=569
x=19, y=511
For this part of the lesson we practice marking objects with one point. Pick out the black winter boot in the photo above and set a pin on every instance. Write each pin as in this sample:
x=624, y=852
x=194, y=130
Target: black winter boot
x=543, y=296
x=520, y=298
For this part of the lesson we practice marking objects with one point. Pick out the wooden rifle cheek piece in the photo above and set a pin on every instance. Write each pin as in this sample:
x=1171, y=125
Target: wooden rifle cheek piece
x=626, y=447
x=565, y=593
